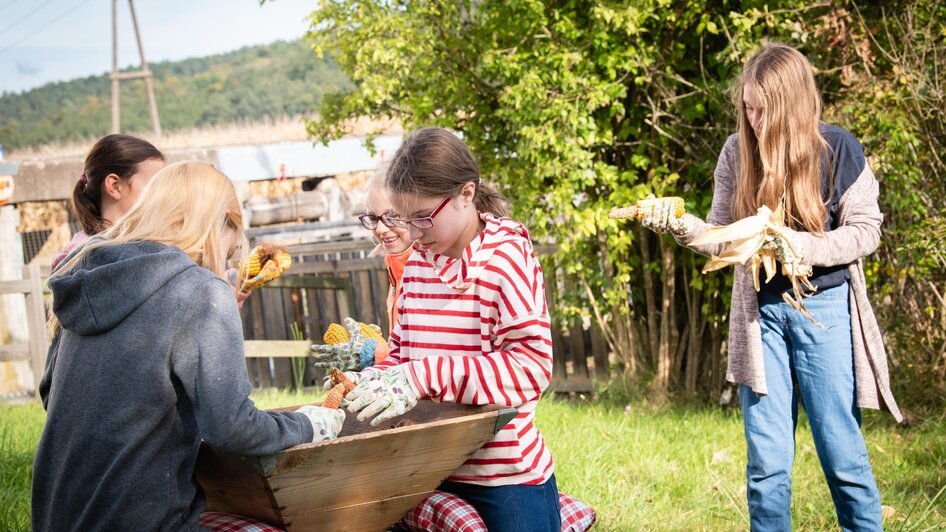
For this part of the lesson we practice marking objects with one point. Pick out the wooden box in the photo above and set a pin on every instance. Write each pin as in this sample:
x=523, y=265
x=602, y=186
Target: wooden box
x=364, y=480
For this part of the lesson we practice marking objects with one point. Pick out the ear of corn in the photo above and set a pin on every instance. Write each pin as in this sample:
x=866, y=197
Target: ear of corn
x=368, y=331
x=335, y=334
x=342, y=385
x=744, y=243
x=645, y=206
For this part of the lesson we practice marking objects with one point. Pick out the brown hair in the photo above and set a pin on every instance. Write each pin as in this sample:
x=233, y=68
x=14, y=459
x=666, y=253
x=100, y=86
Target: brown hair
x=434, y=162
x=113, y=154
x=781, y=164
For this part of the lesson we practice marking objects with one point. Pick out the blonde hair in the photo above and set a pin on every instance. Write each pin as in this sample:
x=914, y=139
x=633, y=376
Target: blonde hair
x=782, y=164
x=187, y=205
x=375, y=182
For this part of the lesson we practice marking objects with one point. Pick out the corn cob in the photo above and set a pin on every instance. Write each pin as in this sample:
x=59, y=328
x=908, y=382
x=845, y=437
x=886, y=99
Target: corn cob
x=647, y=205
x=343, y=385
x=371, y=332
x=335, y=334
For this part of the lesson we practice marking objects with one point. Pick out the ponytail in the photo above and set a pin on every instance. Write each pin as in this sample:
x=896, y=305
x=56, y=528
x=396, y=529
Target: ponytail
x=487, y=199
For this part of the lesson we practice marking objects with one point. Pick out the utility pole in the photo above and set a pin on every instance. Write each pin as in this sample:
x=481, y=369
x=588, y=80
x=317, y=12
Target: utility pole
x=144, y=73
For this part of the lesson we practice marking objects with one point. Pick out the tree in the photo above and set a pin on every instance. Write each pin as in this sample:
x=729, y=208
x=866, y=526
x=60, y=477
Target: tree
x=578, y=107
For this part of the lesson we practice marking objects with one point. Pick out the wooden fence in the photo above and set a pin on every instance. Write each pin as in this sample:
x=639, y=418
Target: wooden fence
x=328, y=281
x=32, y=287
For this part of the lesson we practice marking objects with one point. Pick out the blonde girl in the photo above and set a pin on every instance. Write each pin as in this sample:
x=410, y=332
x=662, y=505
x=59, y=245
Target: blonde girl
x=784, y=156
x=147, y=361
x=394, y=241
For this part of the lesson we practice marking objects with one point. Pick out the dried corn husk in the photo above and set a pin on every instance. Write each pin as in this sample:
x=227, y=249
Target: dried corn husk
x=342, y=385
x=745, y=240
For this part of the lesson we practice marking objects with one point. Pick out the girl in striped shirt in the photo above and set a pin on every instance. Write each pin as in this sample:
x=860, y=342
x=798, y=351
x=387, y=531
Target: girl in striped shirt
x=473, y=328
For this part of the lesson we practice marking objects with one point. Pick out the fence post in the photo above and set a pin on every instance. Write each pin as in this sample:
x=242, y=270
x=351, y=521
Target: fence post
x=36, y=317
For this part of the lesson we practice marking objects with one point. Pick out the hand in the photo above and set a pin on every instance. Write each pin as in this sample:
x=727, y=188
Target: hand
x=232, y=279
x=662, y=218
x=354, y=376
x=356, y=348
x=382, y=396
x=787, y=245
x=326, y=422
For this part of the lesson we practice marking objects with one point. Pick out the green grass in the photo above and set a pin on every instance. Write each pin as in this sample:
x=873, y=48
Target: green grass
x=641, y=467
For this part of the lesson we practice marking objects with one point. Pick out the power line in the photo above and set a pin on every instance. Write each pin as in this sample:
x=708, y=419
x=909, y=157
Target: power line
x=26, y=16
x=41, y=28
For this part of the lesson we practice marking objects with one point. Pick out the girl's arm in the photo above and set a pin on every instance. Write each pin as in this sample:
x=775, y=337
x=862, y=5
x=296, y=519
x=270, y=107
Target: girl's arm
x=211, y=366
x=520, y=367
x=859, y=232
x=724, y=179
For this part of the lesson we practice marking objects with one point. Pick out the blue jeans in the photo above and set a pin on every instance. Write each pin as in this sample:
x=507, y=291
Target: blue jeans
x=515, y=508
x=816, y=365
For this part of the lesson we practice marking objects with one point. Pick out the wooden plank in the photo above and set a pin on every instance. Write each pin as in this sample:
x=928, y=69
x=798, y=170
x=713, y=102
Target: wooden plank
x=262, y=372
x=571, y=384
x=338, y=266
x=276, y=325
x=18, y=286
x=600, y=351
x=12, y=352
x=382, y=285
x=36, y=318
x=559, y=353
x=300, y=280
x=345, y=299
x=361, y=288
x=276, y=348
x=318, y=486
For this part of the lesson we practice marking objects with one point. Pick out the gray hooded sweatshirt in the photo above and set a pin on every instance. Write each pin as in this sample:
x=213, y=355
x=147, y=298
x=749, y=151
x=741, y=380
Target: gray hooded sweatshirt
x=149, y=362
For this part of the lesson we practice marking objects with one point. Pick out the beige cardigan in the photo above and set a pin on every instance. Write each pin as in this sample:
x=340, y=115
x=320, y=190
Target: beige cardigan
x=857, y=235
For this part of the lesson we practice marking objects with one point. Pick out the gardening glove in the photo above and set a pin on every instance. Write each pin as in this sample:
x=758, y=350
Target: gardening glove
x=383, y=396
x=787, y=245
x=353, y=347
x=326, y=422
x=353, y=376
x=663, y=215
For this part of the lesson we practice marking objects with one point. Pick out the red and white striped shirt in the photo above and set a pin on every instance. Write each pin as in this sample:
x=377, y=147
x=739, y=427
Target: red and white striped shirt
x=475, y=330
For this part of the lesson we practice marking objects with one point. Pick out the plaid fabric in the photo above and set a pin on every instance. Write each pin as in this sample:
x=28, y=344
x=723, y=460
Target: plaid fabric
x=576, y=515
x=445, y=512
x=221, y=522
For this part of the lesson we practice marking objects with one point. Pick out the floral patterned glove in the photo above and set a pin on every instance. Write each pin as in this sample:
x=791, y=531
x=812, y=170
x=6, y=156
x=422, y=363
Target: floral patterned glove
x=382, y=396
x=787, y=245
x=356, y=348
x=326, y=422
x=662, y=218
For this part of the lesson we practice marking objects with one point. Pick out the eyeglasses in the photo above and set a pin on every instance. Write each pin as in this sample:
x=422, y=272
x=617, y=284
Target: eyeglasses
x=424, y=222
x=370, y=221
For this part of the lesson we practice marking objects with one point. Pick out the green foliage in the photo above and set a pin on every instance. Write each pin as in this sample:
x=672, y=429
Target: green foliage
x=575, y=108
x=272, y=80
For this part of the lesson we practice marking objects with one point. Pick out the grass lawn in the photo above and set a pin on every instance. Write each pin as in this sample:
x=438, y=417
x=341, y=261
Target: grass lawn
x=641, y=467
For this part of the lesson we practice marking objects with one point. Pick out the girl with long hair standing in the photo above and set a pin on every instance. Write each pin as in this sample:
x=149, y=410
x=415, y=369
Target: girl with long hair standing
x=784, y=156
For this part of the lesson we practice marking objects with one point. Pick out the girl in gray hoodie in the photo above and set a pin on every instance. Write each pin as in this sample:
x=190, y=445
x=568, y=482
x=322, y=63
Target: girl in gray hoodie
x=147, y=361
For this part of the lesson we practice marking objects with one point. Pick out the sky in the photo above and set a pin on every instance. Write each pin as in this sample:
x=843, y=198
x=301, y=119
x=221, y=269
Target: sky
x=43, y=41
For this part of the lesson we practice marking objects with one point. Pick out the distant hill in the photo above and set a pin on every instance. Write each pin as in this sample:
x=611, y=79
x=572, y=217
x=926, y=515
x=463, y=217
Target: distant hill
x=253, y=83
